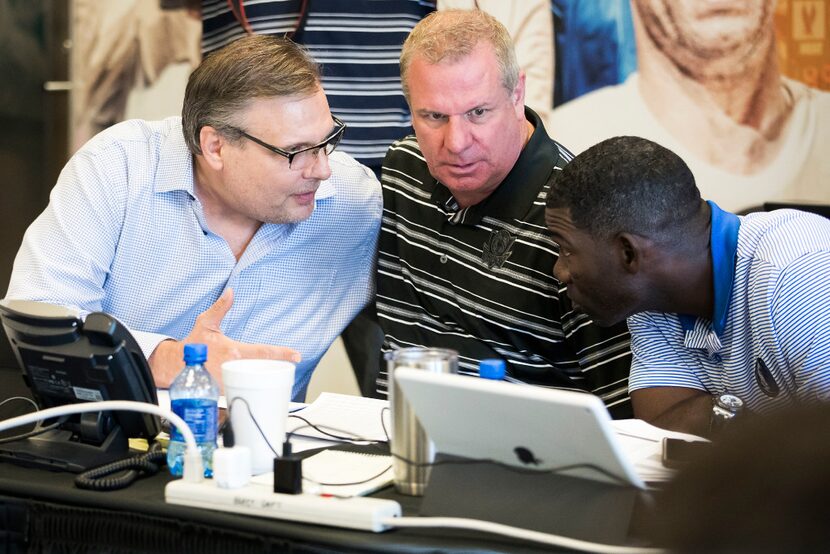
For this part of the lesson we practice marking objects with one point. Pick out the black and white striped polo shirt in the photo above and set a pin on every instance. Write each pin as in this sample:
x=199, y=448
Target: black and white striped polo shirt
x=480, y=280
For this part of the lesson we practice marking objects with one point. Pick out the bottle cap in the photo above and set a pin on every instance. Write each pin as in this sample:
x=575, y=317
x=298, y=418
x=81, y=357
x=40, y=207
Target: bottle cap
x=195, y=353
x=492, y=368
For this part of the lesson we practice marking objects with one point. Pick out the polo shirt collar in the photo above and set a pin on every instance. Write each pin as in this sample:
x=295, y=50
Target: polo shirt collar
x=724, y=249
x=520, y=188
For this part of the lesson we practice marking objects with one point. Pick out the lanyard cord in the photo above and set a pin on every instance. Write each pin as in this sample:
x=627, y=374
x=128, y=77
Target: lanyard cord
x=237, y=7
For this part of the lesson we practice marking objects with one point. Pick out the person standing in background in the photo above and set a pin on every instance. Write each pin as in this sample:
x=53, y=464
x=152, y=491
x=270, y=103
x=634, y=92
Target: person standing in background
x=708, y=87
x=357, y=43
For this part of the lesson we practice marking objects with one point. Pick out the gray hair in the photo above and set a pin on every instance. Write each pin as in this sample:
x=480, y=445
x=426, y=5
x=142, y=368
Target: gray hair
x=452, y=35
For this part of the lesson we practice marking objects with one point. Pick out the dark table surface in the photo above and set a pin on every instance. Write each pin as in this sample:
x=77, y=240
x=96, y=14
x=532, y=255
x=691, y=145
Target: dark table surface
x=43, y=511
x=141, y=503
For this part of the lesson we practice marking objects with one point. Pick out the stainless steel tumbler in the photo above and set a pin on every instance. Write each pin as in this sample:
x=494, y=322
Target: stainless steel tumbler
x=410, y=446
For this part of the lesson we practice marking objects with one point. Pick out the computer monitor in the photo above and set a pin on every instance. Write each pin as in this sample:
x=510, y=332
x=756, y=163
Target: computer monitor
x=65, y=360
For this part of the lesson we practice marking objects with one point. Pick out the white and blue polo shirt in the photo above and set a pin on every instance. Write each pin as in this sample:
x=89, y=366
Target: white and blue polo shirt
x=769, y=340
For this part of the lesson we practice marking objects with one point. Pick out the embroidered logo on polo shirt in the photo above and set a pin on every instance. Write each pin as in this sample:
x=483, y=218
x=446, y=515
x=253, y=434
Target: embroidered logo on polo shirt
x=765, y=380
x=497, y=248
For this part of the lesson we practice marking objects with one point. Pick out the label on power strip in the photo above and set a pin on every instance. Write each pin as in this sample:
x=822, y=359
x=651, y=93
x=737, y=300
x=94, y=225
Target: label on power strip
x=369, y=514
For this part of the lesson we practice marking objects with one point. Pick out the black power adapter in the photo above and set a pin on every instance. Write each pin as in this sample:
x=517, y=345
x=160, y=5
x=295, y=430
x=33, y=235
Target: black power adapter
x=288, y=472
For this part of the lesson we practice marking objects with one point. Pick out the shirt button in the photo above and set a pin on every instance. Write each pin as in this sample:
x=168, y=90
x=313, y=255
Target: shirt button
x=443, y=258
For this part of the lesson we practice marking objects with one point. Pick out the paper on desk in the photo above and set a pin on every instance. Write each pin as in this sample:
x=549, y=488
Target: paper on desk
x=343, y=414
x=643, y=444
x=329, y=471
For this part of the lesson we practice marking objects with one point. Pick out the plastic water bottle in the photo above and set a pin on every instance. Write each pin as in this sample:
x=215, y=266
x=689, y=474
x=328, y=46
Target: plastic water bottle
x=193, y=397
x=492, y=368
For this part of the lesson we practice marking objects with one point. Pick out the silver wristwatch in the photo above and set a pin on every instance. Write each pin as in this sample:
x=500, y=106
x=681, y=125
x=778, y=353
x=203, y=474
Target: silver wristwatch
x=725, y=408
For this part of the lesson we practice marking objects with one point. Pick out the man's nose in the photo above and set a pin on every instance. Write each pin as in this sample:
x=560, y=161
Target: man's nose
x=320, y=169
x=457, y=135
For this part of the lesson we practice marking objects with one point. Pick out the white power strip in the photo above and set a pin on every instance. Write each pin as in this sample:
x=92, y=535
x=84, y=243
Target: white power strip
x=258, y=500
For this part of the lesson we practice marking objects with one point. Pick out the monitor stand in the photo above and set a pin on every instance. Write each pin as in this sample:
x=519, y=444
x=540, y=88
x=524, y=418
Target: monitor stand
x=62, y=450
x=568, y=506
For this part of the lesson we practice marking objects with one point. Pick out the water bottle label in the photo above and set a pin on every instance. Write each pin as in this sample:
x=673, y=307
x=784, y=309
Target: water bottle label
x=200, y=414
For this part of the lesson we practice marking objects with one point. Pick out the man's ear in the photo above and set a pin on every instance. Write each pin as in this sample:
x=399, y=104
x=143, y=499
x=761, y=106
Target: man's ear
x=630, y=250
x=518, y=94
x=212, y=144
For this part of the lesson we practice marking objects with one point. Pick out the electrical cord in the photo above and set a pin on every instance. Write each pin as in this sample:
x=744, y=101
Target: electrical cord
x=193, y=469
x=133, y=468
x=287, y=461
x=38, y=430
x=322, y=429
x=383, y=423
x=226, y=429
x=514, y=469
x=29, y=400
x=347, y=484
x=516, y=533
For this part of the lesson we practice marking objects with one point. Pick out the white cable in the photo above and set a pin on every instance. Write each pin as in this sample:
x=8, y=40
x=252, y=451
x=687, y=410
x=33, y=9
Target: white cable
x=193, y=470
x=29, y=400
x=516, y=533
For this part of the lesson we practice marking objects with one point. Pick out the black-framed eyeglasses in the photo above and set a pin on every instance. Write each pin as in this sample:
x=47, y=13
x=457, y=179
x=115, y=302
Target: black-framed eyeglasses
x=304, y=157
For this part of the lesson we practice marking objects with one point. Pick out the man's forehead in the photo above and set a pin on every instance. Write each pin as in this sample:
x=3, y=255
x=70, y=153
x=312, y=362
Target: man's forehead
x=559, y=219
x=454, y=87
x=300, y=118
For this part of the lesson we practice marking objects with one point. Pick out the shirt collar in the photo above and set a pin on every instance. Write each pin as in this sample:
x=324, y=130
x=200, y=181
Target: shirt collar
x=171, y=173
x=724, y=247
x=520, y=188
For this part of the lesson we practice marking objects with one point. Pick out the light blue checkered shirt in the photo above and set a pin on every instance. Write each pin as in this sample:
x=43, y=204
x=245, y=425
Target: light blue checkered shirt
x=124, y=234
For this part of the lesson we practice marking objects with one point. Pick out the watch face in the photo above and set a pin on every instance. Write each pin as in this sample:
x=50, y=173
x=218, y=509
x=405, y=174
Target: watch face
x=730, y=402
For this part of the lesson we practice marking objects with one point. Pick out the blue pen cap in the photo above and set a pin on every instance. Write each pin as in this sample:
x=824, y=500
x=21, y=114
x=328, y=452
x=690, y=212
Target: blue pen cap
x=195, y=353
x=492, y=368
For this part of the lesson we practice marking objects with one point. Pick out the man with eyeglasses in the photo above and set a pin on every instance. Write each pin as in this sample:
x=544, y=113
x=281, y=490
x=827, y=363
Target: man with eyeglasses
x=464, y=257
x=236, y=225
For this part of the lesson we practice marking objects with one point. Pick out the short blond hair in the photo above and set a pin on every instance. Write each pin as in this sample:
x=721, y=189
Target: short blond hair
x=452, y=35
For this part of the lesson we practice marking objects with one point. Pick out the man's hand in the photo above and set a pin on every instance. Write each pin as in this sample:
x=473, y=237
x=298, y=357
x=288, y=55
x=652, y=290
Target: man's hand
x=166, y=361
